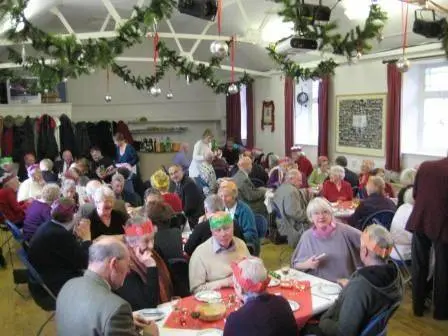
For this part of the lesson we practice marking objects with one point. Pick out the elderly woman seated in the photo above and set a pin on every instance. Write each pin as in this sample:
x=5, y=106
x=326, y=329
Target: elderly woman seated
x=68, y=190
x=366, y=167
x=148, y=283
x=388, y=190
x=207, y=176
x=260, y=309
x=319, y=174
x=105, y=220
x=336, y=189
x=31, y=188
x=161, y=182
x=46, y=167
x=401, y=237
x=375, y=201
x=329, y=250
x=407, y=178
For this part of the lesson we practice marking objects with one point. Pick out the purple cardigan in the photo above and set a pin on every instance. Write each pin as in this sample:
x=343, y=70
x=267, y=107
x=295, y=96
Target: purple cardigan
x=36, y=214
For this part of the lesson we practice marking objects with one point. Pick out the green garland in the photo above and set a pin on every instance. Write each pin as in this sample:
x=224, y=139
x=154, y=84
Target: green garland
x=71, y=59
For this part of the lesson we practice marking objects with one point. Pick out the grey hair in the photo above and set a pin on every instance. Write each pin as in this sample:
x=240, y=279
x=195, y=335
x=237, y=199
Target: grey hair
x=118, y=177
x=407, y=176
x=318, y=204
x=381, y=236
x=292, y=173
x=91, y=187
x=100, y=252
x=273, y=161
x=46, y=165
x=338, y=170
x=67, y=184
x=50, y=193
x=408, y=197
x=253, y=269
x=213, y=203
x=103, y=192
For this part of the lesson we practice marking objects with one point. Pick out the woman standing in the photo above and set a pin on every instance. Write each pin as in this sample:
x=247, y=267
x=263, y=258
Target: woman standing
x=201, y=148
x=125, y=153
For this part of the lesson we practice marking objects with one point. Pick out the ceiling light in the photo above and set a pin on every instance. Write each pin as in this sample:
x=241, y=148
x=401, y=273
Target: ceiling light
x=276, y=30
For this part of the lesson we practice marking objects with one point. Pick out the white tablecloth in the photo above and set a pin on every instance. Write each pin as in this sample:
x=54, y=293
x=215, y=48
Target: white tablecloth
x=319, y=301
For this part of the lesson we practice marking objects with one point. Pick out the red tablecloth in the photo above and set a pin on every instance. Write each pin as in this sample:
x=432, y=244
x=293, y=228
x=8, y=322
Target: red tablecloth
x=303, y=297
x=345, y=205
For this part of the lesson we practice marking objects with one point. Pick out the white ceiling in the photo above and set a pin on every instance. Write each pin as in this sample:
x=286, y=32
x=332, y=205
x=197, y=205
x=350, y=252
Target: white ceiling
x=245, y=18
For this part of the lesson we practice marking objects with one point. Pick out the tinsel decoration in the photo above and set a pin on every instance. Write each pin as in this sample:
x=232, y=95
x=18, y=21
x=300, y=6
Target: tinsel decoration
x=155, y=90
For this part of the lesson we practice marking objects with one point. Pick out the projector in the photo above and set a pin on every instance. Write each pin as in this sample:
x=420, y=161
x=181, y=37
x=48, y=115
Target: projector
x=428, y=28
x=315, y=13
x=294, y=45
x=203, y=9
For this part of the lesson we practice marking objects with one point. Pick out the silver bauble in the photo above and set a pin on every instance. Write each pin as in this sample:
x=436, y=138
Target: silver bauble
x=219, y=49
x=169, y=95
x=65, y=80
x=45, y=90
x=155, y=91
x=380, y=38
x=232, y=89
x=353, y=60
x=403, y=64
x=108, y=98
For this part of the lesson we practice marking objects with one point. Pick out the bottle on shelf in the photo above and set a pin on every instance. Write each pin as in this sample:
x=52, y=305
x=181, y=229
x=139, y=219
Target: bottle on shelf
x=168, y=147
x=150, y=146
x=157, y=145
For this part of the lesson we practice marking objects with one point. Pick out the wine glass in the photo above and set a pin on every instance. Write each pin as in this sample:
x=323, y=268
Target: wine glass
x=175, y=303
x=285, y=270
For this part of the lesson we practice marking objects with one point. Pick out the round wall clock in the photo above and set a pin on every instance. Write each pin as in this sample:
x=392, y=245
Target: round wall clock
x=302, y=98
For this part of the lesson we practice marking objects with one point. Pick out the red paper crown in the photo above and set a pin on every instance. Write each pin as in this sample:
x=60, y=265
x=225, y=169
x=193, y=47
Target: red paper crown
x=136, y=230
x=247, y=284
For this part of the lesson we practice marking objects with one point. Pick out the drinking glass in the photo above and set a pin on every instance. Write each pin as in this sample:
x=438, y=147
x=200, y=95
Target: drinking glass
x=285, y=270
x=175, y=302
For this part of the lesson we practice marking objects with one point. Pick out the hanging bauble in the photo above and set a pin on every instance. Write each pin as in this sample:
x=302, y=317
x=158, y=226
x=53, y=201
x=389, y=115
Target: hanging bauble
x=108, y=98
x=45, y=91
x=380, y=38
x=187, y=77
x=232, y=89
x=155, y=91
x=403, y=64
x=219, y=49
x=169, y=95
x=65, y=80
x=358, y=55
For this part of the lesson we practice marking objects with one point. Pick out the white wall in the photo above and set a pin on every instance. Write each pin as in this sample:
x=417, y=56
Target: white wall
x=194, y=106
x=363, y=78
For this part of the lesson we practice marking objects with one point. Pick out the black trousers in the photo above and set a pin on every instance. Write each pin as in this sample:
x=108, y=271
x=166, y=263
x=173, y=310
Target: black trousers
x=421, y=247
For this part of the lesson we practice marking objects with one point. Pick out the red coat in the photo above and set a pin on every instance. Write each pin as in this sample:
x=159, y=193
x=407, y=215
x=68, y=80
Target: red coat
x=430, y=213
x=10, y=208
x=305, y=166
x=332, y=194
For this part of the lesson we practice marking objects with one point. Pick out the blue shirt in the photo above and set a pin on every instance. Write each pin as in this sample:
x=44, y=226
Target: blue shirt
x=218, y=248
x=129, y=156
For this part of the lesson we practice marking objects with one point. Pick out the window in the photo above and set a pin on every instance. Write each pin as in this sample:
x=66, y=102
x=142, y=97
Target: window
x=425, y=109
x=243, y=115
x=306, y=121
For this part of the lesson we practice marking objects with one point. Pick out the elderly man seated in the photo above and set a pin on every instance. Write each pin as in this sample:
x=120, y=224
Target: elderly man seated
x=375, y=201
x=292, y=202
x=248, y=193
x=210, y=264
x=371, y=289
x=260, y=309
x=121, y=193
x=87, y=305
x=241, y=214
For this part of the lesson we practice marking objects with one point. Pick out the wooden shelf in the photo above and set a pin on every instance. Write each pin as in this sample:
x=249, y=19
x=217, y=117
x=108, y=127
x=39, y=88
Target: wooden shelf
x=161, y=131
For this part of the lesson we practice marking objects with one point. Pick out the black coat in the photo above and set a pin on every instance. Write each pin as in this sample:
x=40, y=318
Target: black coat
x=23, y=140
x=46, y=142
x=67, y=135
x=168, y=242
x=83, y=143
x=192, y=200
x=105, y=138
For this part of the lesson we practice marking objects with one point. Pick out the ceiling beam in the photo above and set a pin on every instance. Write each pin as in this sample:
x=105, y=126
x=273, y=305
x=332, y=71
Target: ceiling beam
x=243, y=13
x=105, y=23
x=198, y=41
x=112, y=11
x=63, y=20
x=174, y=35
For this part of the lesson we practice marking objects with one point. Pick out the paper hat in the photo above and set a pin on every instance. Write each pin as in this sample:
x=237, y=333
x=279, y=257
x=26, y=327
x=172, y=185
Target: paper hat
x=32, y=169
x=63, y=208
x=220, y=219
x=140, y=229
x=247, y=284
x=5, y=161
x=5, y=176
x=373, y=246
x=160, y=180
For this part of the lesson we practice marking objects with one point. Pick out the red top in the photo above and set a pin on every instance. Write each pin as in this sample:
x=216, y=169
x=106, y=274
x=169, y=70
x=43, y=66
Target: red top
x=10, y=208
x=388, y=190
x=363, y=178
x=305, y=166
x=332, y=194
x=173, y=200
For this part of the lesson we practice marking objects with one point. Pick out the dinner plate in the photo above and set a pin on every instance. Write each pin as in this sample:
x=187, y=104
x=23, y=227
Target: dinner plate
x=274, y=282
x=208, y=296
x=329, y=289
x=152, y=314
x=294, y=305
x=210, y=332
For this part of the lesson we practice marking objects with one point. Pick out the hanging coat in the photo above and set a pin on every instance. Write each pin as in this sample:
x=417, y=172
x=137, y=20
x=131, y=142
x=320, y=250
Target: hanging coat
x=46, y=141
x=7, y=136
x=105, y=140
x=82, y=140
x=124, y=129
x=67, y=135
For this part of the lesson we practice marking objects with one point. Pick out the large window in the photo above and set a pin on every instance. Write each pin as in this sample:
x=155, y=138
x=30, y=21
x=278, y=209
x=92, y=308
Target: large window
x=306, y=121
x=425, y=109
x=243, y=115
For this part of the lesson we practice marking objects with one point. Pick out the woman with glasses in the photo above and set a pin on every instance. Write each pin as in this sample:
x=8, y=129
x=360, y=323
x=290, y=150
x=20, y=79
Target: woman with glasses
x=329, y=250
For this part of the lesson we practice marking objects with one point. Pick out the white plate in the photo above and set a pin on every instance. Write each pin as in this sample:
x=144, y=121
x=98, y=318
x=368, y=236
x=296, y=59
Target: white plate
x=294, y=305
x=274, y=282
x=210, y=332
x=152, y=314
x=329, y=289
x=208, y=296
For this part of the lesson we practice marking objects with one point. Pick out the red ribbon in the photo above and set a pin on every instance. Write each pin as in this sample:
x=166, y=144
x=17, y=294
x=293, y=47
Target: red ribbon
x=232, y=57
x=219, y=16
x=156, y=50
x=404, y=20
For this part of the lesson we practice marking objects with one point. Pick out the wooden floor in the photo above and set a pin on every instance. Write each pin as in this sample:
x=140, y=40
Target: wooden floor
x=19, y=316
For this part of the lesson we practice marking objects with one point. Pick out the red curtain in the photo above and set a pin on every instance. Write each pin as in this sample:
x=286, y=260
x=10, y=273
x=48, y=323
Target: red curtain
x=289, y=115
x=233, y=116
x=322, y=142
x=393, y=118
x=250, y=116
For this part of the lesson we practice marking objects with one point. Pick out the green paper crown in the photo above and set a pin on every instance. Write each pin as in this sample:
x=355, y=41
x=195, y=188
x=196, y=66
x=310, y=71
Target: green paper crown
x=220, y=220
x=5, y=161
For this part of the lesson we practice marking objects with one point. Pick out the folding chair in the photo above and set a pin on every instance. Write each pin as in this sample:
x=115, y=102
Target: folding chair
x=377, y=325
x=402, y=264
x=17, y=235
x=381, y=217
x=35, y=276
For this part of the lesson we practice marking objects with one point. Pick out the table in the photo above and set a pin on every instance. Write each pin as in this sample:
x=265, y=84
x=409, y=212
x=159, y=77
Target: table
x=320, y=303
x=343, y=210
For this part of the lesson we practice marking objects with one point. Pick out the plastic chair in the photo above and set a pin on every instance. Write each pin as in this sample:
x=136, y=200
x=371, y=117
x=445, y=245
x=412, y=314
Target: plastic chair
x=17, y=235
x=35, y=276
x=377, y=325
x=262, y=225
x=382, y=217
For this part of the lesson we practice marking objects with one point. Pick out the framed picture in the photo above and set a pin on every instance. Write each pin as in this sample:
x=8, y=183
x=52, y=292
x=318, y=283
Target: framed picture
x=361, y=124
x=268, y=115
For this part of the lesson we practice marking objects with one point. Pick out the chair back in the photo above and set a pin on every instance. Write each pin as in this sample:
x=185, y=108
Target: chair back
x=178, y=268
x=382, y=217
x=377, y=325
x=15, y=231
x=276, y=210
x=257, y=182
x=262, y=225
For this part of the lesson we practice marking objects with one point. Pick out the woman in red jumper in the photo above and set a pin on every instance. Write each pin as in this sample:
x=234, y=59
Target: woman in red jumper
x=336, y=189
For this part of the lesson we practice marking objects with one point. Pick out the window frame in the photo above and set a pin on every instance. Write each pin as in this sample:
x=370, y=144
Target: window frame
x=314, y=127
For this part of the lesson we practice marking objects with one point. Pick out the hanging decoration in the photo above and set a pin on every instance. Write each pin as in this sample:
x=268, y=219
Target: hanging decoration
x=108, y=97
x=219, y=48
x=233, y=88
x=155, y=90
x=403, y=63
x=169, y=94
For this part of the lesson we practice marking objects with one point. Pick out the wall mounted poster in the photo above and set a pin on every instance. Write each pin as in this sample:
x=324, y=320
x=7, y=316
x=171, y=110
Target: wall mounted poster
x=361, y=124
